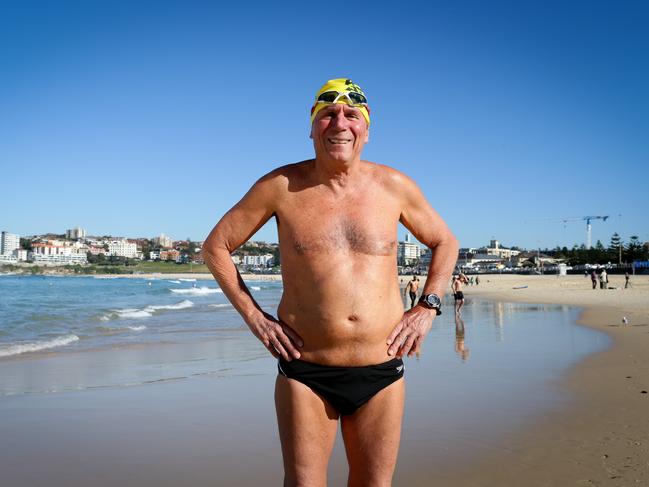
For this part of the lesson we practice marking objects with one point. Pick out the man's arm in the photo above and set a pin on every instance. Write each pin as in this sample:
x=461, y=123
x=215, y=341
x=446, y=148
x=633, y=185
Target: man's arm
x=428, y=227
x=232, y=231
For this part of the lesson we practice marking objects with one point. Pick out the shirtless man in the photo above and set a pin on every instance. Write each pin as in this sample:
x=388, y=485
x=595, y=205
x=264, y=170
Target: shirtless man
x=411, y=289
x=458, y=295
x=339, y=347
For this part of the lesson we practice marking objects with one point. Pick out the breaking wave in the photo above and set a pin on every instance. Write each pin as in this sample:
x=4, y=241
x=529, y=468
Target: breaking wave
x=197, y=291
x=36, y=346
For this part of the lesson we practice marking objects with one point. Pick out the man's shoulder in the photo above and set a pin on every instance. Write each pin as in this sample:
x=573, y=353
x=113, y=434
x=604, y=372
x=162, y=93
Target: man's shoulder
x=283, y=174
x=387, y=175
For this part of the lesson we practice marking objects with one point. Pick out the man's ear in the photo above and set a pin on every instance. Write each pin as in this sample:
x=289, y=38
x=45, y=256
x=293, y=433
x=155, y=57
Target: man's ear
x=367, y=136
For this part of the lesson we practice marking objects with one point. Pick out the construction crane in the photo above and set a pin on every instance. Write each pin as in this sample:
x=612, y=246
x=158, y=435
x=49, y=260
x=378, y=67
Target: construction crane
x=587, y=219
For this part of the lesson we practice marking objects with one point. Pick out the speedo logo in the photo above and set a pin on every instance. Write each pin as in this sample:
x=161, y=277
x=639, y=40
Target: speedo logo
x=400, y=368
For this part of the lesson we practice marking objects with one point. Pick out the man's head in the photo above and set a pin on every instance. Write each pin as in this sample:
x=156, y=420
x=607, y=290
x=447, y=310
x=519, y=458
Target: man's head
x=341, y=90
x=340, y=121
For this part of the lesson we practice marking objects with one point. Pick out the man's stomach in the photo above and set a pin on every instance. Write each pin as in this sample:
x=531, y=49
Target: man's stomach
x=342, y=322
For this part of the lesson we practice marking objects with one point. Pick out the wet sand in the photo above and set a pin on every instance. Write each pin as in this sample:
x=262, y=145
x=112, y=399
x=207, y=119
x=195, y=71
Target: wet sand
x=601, y=436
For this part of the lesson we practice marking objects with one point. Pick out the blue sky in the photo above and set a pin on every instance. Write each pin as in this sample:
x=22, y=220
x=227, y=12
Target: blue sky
x=136, y=118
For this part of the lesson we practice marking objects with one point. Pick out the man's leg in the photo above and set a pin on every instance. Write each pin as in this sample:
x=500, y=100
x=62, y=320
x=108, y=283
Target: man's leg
x=372, y=436
x=307, y=430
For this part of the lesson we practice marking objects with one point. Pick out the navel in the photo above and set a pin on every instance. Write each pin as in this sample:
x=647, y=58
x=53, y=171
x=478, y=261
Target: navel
x=353, y=317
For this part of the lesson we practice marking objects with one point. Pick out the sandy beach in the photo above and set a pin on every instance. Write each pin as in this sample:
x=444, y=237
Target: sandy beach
x=602, y=438
x=218, y=427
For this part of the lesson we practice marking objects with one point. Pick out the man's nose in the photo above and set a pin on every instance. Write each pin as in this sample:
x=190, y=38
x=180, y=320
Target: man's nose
x=339, y=120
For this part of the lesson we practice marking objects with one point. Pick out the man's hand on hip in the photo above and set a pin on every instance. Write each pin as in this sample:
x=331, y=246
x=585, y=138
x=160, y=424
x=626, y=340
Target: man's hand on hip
x=408, y=335
x=277, y=337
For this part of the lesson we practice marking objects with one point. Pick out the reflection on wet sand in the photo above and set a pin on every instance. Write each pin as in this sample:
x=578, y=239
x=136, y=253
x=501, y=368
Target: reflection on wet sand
x=460, y=347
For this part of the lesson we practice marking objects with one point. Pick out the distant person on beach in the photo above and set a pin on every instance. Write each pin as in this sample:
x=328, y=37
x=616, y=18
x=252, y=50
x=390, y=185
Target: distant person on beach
x=458, y=295
x=627, y=278
x=593, y=278
x=477, y=280
x=603, y=279
x=339, y=346
x=411, y=289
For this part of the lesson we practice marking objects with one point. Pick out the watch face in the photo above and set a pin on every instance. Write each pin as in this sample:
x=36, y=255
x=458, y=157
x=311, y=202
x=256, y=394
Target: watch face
x=433, y=300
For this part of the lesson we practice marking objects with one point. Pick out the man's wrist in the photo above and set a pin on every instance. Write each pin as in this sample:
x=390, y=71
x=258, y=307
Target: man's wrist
x=432, y=312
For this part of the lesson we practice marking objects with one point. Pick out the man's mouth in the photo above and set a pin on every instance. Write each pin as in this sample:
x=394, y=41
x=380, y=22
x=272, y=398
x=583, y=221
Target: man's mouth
x=338, y=140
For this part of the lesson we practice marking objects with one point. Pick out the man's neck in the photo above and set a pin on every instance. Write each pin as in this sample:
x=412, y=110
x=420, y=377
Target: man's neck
x=337, y=174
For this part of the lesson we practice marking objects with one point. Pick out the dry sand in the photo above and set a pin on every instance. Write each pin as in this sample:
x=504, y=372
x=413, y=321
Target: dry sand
x=602, y=438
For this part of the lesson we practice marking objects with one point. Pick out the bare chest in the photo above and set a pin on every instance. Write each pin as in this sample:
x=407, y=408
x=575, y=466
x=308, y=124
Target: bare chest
x=368, y=228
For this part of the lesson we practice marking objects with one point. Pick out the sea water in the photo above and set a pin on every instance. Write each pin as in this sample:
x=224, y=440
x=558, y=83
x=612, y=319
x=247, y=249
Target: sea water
x=71, y=333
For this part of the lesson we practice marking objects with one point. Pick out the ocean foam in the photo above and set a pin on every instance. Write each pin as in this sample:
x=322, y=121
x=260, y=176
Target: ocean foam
x=175, y=282
x=255, y=288
x=197, y=291
x=137, y=328
x=182, y=305
x=225, y=305
x=145, y=312
x=188, y=280
x=133, y=313
x=26, y=347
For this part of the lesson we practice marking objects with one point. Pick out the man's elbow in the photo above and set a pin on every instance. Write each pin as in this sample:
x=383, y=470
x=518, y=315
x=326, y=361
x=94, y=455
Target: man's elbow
x=213, y=243
x=448, y=241
x=453, y=242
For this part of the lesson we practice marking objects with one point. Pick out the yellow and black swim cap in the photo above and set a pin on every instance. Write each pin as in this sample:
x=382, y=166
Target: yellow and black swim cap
x=341, y=90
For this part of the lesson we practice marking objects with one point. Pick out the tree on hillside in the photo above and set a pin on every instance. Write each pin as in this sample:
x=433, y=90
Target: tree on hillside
x=615, y=248
x=634, y=249
x=25, y=243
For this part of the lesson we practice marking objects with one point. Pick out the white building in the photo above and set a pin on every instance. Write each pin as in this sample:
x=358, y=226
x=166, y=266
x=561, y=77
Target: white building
x=8, y=242
x=20, y=254
x=264, y=260
x=122, y=248
x=75, y=233
x=502, y=252
x=408, y=252
x=163, y=241
x=59, y=259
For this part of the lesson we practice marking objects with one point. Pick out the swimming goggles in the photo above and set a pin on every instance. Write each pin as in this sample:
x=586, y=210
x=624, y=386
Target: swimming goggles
x=353, y=99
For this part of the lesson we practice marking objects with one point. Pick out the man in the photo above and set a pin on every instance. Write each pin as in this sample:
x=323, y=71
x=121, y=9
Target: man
x=340, y=347
x=458, y=295
x=411, y=289
x=593, y=279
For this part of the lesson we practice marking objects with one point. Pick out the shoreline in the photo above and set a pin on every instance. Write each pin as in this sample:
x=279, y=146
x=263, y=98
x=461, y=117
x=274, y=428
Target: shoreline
x=601, y=436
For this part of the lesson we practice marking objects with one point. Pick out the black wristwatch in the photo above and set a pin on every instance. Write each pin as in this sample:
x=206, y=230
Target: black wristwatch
x=432, y=301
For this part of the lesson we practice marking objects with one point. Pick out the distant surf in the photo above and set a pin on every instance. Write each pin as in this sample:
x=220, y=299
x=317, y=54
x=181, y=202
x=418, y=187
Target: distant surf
x=25, y=347
x=135, y=313
x=197, y=291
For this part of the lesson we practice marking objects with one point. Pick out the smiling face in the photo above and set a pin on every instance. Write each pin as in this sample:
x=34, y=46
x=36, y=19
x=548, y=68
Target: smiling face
x=339, y=132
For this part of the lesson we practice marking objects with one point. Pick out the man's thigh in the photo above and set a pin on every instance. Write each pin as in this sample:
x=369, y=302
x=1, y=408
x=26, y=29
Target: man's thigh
x=372, y=436
x=307, y=430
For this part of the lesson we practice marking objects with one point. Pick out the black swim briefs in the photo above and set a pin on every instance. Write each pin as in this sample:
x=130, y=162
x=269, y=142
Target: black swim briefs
x=345, y=388
x=458, y=295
